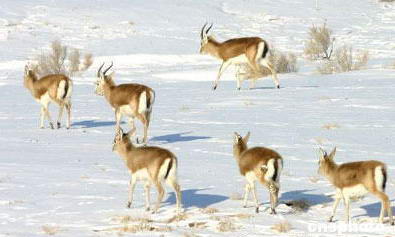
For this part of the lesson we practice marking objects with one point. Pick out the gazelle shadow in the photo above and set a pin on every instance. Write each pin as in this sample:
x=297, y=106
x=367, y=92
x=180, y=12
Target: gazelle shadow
x=312, y=199
x=177, y=137
x=192, y=198
x=373, y=210
x=93, y=123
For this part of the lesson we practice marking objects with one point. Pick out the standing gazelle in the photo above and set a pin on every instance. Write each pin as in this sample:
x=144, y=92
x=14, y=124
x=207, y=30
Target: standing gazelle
x=132, y=100
x=55, y=88
x=355, y=179
x=151, y=164
x=250, y=50
x=258, y=164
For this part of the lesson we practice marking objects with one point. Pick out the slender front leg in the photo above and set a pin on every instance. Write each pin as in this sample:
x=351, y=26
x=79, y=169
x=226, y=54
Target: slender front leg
x=334, y=208
x=132, y=131
x=68, y=108
x=132, y=184
x=61, y=107
x=118, y=117
x=174, y=184
x=147, y=188
x=247, y=189
x=223, y=67
x=273, y=192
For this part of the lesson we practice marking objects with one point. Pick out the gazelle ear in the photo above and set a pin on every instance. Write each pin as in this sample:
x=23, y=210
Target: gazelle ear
x=332, y=154
x=236, y=138
x=111, y=75
x=119, y=134
x=246, y=137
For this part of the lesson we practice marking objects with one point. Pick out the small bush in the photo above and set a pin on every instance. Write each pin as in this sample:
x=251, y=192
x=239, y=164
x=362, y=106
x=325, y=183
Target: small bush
x=344, y=60
x=58, y=60
x=226, y=225
x=320, y=43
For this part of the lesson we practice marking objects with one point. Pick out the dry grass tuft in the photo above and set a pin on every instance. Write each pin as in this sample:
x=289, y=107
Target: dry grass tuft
x=236, y=196
x=344, y=60
x=50, y=230
x=141, y=227
x=226, y=225
x=320, y=43
x=299, y=205
x=131, y=219
x=58, y=60
x=330, y=126
x=282, y=227
x=190, y=235
x=197, y=225
x=208, y=210
x=176, y=218
x=241, y=215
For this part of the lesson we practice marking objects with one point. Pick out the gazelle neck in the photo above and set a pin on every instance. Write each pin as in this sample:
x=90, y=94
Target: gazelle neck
x=108, y=86
x=331, y=171
x=238, y=149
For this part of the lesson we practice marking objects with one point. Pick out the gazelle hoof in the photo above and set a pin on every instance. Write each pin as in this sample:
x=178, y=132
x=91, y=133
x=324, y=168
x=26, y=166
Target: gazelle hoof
x=273, y=211
x=278, y=86
x=51, y=125
x=147, y=208
x=129, y=204
x=57, y=125
x=238, y=88
x=330, y=219
x=214, y=88
x=257, y=210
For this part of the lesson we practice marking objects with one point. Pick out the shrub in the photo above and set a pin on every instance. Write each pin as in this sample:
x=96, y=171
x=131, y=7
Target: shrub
x=282, y=227
x=344, y=60
x=282, y=63
x=320, y=43
x=58, y=60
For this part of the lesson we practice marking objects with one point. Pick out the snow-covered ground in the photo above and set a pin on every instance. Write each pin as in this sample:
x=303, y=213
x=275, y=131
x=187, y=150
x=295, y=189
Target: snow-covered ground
x=69, y=182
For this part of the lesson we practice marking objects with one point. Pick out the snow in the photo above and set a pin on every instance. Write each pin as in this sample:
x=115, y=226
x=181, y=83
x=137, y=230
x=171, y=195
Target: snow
x=70, y=180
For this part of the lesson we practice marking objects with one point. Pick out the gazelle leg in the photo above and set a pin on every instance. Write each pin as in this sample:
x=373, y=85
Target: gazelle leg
x=46, y=109
x=223, y=67
x=265, y=63
x=42, y=115
x=118, y=117
x=132, y=184
x=273, y=192
x=132, y=131
x=147, y=188
x=174, y=184
x=346, y=200
x=385, y=207
x=252, y=185
x=68, y=108
x=334, y=208
x=247, y=189
x=61, y=107
x=161, y=193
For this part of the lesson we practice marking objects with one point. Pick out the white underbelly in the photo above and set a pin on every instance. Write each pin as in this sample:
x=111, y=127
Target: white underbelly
x=44, y=99
x=141, y=174
x=127, y=110
x=239, y=59
x=355, y=191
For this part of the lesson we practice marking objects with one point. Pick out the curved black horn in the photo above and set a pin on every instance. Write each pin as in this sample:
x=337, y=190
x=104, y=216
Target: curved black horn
x=201, y=32
x=209, y=28
x=104, y=73
x=98, y=72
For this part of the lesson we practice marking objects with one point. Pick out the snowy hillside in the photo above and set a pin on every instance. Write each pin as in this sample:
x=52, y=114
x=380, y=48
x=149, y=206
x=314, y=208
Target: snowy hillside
x=70, y=183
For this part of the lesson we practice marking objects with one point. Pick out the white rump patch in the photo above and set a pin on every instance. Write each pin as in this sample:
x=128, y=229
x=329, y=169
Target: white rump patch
x=379, y=177
x=152, y=100
x=70, y=90
x=270, y=170
x=60, y=93
x=355, y=191
x=259, y=51
x=142, y=102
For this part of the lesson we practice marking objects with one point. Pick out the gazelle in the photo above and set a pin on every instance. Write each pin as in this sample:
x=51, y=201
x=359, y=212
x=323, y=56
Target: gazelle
x=132, y=100
x=151, y=164
x=355, y=179
x=258, y=164
x=55, y=88
x=250, y=50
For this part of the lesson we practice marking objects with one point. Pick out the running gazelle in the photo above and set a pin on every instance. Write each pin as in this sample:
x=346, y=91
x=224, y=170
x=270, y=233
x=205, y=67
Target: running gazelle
x=250, y=50
x=355, y=179
x=55, y=88
x=258, y=164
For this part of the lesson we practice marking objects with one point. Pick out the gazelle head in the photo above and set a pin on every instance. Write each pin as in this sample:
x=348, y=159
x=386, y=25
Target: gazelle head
x=121, y=140
x=326, y=161
x=29, y=77
x=240, y=143
x=205, y=39
x=102, y=78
